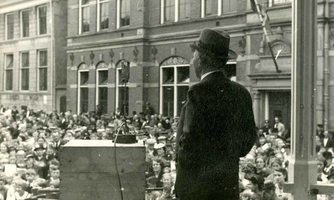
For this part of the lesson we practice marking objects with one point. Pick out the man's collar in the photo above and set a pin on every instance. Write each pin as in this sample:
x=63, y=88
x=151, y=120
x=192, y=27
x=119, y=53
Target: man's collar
x=208, y=73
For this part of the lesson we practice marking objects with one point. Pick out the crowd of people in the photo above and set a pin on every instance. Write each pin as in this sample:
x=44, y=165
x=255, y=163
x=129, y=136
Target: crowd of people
x=30, y=142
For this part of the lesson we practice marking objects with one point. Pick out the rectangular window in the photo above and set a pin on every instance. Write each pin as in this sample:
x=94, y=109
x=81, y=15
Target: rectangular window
x=229, y=6
x=9, y=71
x=169, y=10
x=184, y=7
x=103, y=90
x=168, y=101
x=85, y=19
x=25, y=71
x=10, y=26
x=83, y=99
x=280, y=1
x=125, y=12
x=211, y=7
x=25, y=23
x=103, y=99
x=43, y=70
x=42, y=20
x=104, y=15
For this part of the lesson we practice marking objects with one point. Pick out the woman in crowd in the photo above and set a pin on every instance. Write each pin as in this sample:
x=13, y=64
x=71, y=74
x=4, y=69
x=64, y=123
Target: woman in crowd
x=255, y=184
x=154, y=179
x=159, y=152
x=261, y=169
x=280, y=177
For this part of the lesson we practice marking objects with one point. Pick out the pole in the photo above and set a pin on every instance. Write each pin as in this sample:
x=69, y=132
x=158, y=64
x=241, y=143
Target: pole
x=302, y=163
x=266, y=36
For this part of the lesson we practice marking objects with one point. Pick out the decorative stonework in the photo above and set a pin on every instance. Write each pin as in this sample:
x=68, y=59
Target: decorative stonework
x=72, y=59
x=173, y=51
x=102, y=65
x=154, y=52
x=111, y=55
x=121, y=55
x=175, y=61
x=242, y=45
x=100, y=57
x=83, y=66
x=279, y=46
x=135, y=54
x=92, y=56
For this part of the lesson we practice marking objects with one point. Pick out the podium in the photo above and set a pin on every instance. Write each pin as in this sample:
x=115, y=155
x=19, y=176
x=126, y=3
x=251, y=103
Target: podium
x=88, y=170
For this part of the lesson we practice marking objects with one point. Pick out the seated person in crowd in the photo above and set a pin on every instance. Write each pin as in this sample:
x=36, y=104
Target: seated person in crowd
x=154, y=179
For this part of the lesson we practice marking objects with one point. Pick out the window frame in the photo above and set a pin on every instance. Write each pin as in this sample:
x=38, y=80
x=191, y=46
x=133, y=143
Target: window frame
x=98, y=16
x=175, y=86
x=24, y=68
x=119, y=14
x=6, y=26
x=22, y=24
x=8, y=69
x=220, y=7
x=118, y=71
x=81, y=86
x=178, y=11
x=272, y=3
x=42, y=67
x=81, y=18
x=98, y=86
x=38, y=20
x=219, y=11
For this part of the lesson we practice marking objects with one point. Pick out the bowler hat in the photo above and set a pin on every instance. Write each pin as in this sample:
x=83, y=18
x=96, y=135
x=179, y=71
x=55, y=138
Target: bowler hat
x=215, y=44
x=327, y=155
x=331, y=174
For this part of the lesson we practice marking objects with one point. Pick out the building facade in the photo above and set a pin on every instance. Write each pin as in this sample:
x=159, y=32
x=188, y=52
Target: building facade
x=152, y=37
x=33, y=60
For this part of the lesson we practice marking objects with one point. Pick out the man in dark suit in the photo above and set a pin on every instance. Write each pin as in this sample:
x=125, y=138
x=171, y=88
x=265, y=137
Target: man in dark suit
x=327, y=140
x=216, y=126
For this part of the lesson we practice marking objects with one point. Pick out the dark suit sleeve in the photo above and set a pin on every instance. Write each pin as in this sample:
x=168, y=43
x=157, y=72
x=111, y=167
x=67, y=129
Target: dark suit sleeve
x=247, y=134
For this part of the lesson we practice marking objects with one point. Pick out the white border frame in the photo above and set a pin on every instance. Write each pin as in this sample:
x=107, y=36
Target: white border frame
x=21, y=23
x=98, y=14
x=80, y=16
x=175, y=85
x=46, y=25
x=6, y=27
x=176, y=11
x=41, y=67
x=97, y=84
x=20, y=72
x=79, y=87
x=5, y=73
x=118, y=69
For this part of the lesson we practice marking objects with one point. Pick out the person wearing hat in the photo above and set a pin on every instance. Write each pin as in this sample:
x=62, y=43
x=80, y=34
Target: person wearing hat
x=269, y=190
x=150, y=145
x=327, y=141
x=328, y=162
x=162, y=139
x=40, y=162
x=216, y=124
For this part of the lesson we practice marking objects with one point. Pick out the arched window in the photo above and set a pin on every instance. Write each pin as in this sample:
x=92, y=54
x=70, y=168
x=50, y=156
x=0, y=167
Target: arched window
x=174, y=85
x=102, y=87
x=122, y=89
x=83, y=77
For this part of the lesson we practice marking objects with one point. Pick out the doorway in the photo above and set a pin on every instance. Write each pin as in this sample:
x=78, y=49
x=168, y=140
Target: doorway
x=280, y=106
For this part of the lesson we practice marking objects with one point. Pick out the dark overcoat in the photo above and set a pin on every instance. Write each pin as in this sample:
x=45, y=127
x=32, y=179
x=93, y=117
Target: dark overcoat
x=216, y=128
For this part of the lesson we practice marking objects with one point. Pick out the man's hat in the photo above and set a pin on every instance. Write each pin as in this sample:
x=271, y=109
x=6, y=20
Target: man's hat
x=39, y=146
x=29, y=156
x=269, y=185
x=331, y=174
x=162, y=138
x=151, y=141
x=159, y=146
x=327, y=155
x=215, y=44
